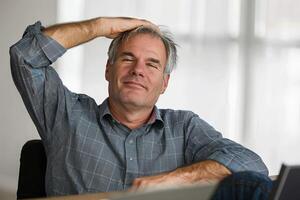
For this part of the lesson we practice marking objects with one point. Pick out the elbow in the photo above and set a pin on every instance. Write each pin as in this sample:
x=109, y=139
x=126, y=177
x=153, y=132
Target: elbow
x=264, y=170
x=15, y=56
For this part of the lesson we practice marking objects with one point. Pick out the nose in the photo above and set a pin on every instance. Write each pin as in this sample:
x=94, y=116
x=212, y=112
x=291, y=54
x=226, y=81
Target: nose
x=138, y=69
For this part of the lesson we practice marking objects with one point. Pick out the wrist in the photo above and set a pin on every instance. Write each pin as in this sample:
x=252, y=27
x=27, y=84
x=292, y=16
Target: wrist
x=97, y=29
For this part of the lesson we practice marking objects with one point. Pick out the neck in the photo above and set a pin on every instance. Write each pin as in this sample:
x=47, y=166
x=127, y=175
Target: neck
x=128, y=115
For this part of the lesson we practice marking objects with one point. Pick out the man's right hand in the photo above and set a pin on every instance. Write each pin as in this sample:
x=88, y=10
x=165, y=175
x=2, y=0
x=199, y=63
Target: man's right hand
x=76, y=33
x=111, y=27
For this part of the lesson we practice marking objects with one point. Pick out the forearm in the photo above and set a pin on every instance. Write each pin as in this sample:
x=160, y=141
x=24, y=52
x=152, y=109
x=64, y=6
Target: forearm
x=204, y=171
x=75, y=33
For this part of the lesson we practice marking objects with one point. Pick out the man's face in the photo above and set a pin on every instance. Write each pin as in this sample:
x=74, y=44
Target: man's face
x=136, y=78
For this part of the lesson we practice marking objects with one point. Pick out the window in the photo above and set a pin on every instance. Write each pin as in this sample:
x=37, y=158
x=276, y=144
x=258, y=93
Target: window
x=238, y=65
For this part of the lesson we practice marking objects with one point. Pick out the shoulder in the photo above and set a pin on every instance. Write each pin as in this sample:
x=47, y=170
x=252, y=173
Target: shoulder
x=85, y=102
x=186, y=118
x=176, y=114
x=176, y=117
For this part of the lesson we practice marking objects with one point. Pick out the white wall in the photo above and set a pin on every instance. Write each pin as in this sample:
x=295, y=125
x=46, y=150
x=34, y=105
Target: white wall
x=16, y=126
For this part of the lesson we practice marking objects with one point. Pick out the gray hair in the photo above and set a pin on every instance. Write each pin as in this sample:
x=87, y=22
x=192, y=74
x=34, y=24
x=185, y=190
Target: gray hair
x=164, y=35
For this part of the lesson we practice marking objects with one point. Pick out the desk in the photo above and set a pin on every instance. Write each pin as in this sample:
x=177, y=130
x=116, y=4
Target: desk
x=174, y=193
x=96, y=196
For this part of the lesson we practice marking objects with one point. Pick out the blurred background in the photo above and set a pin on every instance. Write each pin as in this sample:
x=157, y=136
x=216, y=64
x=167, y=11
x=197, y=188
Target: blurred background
x=239, y=69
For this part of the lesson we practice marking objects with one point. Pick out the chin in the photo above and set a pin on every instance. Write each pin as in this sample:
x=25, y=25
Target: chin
x=133, y=101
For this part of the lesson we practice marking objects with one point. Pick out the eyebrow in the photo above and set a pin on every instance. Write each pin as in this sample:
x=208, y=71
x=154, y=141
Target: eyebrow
x=127, y=54
x=153, y=60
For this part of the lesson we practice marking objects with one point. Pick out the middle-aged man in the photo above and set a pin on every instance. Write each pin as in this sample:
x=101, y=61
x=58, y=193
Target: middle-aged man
x=125, y=142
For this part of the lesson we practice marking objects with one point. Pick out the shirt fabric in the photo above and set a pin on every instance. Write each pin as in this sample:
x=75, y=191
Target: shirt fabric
x=88, y=150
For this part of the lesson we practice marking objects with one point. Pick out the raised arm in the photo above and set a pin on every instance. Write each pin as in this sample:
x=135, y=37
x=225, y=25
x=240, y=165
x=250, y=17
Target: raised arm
x=47, y=100
x=76, y=33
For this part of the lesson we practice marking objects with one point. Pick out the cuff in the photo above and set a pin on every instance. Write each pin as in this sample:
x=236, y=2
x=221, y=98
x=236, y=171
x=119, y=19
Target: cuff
x=51, y=49
x=237, y=163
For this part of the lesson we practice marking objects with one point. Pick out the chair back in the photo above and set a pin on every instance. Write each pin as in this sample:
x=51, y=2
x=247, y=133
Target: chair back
x=32, y=171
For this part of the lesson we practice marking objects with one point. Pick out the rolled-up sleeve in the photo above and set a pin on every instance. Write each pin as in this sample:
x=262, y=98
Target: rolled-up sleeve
x=35, y=49
x=44, y=95
x=205, y=143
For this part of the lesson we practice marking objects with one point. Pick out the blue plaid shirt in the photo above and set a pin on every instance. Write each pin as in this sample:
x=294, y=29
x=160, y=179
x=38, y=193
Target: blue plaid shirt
x=88, y=150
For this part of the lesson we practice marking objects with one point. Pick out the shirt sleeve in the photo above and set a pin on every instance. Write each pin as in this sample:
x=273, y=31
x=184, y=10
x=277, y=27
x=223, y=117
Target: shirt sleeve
x=205, y=143
x=47, y=100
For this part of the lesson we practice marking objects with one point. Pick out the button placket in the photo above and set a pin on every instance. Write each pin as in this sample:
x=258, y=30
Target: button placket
x=131, y=157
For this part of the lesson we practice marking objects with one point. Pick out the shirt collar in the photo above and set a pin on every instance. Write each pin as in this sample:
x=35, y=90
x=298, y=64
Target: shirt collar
x=154, y=119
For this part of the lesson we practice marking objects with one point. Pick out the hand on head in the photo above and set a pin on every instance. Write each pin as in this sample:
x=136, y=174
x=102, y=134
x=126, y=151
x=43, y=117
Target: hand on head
x=111, y=27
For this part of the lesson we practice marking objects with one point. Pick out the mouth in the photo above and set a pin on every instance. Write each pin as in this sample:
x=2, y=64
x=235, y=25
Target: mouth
x=134, y=84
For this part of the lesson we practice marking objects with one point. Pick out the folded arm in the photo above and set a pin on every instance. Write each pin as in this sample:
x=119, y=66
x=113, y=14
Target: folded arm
x=201, y=172
x=208, y=157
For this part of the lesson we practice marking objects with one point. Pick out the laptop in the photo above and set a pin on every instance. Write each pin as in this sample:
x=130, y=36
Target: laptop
x=199, y=192
x=287, y=186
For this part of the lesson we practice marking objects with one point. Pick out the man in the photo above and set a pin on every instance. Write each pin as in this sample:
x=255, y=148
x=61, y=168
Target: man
x=125, y=142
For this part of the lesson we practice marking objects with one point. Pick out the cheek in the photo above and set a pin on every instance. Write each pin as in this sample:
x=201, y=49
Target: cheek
x=119, y=75
x=157, y=84
x=114, y=71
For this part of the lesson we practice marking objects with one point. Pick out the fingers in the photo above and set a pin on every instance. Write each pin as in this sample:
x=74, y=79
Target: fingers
x=141, y=184
x=135, y=22
x=146, y=23
x=149, y=183
x=111, y=27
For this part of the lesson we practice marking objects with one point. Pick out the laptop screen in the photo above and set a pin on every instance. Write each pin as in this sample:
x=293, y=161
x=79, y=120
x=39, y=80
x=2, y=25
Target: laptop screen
x=287, y=186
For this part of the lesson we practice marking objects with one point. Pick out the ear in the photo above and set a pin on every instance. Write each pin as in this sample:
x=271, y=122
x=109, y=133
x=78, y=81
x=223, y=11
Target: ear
x=166, y=78
x=107, y=70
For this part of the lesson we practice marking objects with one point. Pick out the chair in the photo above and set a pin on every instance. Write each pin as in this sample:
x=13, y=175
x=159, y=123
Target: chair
x=32, y=171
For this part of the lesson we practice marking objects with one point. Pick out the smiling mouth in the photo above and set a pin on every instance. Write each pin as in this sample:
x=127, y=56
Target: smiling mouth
x=134, y=84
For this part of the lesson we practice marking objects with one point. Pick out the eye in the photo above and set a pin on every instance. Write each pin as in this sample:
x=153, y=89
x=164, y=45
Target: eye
x=153, y=65
x=127, y=59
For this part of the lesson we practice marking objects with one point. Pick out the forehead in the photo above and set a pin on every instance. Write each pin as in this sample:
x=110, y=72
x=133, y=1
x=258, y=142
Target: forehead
x=144, y=43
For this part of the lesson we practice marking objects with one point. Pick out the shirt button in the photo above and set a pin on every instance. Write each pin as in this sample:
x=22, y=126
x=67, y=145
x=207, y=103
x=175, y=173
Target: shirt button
x=130, y=141
x=130, y=158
